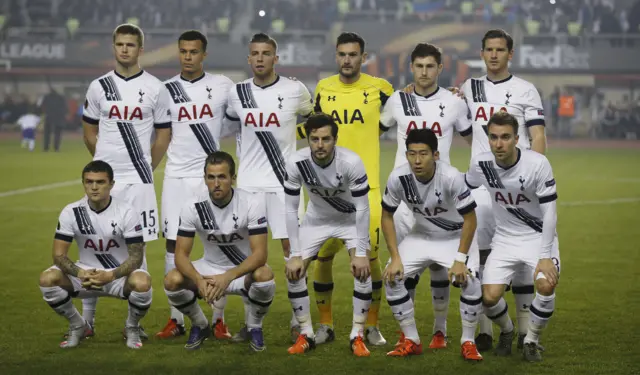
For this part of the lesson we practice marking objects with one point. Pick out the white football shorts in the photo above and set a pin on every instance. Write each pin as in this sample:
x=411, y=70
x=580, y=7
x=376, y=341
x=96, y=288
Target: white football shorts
x=112, y=289
x=404, y=221
x=175, y=192
x=486, y=222
x=515, y=259
x=143, y=199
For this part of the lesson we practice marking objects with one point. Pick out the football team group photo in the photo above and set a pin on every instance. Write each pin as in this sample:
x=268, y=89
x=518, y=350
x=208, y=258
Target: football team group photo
x=304, y=183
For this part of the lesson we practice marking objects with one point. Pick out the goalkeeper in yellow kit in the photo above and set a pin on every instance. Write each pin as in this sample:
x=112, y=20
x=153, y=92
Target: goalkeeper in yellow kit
x=354, y=100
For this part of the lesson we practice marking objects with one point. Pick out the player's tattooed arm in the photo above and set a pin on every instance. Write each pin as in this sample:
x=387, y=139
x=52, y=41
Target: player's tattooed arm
x=61, y=260
x=133, y=262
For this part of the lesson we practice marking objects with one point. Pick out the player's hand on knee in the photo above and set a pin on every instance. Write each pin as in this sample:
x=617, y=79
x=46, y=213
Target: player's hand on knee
x=360, y=268
x=100, y=278
x=203, y=287
x=458, y=273
x=293, y=269
x=548, y=269
x=394, y=271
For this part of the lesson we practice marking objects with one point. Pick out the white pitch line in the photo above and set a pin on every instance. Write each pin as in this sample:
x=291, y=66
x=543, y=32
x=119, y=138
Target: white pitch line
x=601, y=202
x=38, y=188
x=47, y=187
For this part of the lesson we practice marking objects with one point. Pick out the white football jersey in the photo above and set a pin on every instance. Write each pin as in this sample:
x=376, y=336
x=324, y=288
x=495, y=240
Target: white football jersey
x=443, y=112
x=516, y=192
x=224, y=231
x=102, y=236
x=437, y=205
x=268, y=117
x=126, y=111
x=331, y=188
x=514, y=95
x=197, y=111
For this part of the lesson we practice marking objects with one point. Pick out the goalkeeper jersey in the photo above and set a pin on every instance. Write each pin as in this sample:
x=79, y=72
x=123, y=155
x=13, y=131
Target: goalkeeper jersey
x=356, y=109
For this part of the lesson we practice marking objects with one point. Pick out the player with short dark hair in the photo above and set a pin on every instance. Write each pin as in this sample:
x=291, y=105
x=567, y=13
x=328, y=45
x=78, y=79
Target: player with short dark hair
x=111, y=251
x=338, y=208
x=267, y=106
x=443, y=234
x=497, y=91
x=232, y=226
x=354, y=100
x=122, y=110
x=525, y=247
x=198, y=101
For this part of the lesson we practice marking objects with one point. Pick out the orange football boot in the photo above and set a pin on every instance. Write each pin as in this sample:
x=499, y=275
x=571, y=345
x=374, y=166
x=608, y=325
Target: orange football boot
x=470, y=351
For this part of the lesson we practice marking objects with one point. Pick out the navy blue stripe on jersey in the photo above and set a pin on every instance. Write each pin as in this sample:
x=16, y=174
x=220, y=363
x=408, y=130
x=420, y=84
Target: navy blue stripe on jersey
x=178, y=93
x=83, y=221
x=255, y=231
x=410, y=189
x=309, y=175
x=491, y=174
x=445, y=224
x=207, y=219
x=245, y=94
x=388, y=208
x=527, y=218
x=90, y=120
x=186, y=233
x=548, y=198
x=294, y=192
x=110, y=89
x=409, y=104
x=413, y=103
x=204, y=137
x=468, y=208
x=134, y=149
x=107, y=260
x=273, y=152
x=361, y=192
x=340, y=204
x=477, y=91
x=63, y=237
x=468, y=184
x=483, y=95
x=132, y=240
x=233, y=253
x=534, y=122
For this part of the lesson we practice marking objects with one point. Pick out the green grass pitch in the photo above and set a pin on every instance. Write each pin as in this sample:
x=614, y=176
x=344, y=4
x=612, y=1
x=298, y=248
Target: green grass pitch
x=594, y=329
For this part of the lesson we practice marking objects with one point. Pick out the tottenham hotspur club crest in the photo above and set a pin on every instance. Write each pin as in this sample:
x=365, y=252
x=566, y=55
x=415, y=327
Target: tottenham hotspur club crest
x=441, y=110
x=209, y=91
x=113, y=226
x=366, y=96
x=339, y=178
x=141, y=95
x=521, y=183
x=280, y=99
x=508, y=95
x=438, y=194
x=235, y=221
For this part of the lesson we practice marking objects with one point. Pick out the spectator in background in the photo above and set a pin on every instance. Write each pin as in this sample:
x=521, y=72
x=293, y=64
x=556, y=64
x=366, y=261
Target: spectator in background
x=54, y=109
x=28, y=123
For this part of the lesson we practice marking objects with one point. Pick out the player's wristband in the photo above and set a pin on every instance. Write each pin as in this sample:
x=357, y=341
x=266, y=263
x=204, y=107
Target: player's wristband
x=461, y=257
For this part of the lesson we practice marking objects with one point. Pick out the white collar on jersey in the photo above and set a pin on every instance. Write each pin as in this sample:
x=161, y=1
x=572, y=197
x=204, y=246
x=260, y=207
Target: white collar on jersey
x=102, y=210
x=233, y=193
x=426, y=96
x=267, y=86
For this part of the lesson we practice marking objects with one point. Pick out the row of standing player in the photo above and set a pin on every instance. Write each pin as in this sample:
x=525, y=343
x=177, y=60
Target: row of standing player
x=109, y=91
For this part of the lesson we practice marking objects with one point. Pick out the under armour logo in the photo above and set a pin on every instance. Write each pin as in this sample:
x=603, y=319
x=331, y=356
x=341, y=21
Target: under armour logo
x=113, y=226
x=331, y=98
x=235, y=220
x=366, y=101
x=364, y=310
x=178, y=97
x=521, y=183
x=508, y=95
x=321, y=302
x=438, y=194
x=280, y=99
x=152, y=231
x=297, y=309
x=111, y=95
x=141, y=95
x=441, y=110
x=525, y=307
x=398, y=313
x=468, y=313
x=209, y=91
